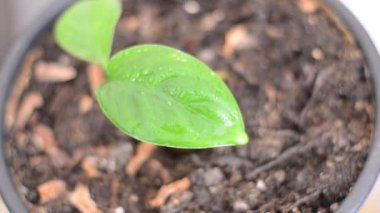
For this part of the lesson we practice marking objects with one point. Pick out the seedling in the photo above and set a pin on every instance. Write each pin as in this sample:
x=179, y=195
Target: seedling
x=153, y=93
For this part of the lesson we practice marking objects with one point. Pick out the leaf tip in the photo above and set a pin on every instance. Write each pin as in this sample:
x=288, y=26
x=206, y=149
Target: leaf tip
x=241, y=138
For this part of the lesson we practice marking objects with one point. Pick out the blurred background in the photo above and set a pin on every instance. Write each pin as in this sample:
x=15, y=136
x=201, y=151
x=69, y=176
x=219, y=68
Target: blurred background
x=17, y=16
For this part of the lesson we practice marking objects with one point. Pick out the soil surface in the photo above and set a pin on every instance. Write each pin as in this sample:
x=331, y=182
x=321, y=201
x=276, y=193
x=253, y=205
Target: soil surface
x=298, y=78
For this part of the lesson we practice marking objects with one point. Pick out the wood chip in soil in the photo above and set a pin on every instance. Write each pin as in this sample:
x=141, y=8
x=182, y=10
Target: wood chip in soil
x=53, y=72
x=143, y=153
x=51, y=190
x=82, y=200
x=29, y=104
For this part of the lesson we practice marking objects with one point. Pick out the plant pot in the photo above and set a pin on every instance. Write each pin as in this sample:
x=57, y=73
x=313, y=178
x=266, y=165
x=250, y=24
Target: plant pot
x=11, y=70
x=5, y=34
x=9, y=73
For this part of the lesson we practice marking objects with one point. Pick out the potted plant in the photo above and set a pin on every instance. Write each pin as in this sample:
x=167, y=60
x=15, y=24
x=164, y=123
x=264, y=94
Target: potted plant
x=304, y=103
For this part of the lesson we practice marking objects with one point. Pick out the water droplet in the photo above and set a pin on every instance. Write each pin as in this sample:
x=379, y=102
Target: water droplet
x=145, y=71
x=227, y=121
x=181, y=94
x=241, y=138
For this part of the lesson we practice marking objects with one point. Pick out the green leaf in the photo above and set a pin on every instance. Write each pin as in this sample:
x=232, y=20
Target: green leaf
x=164, y=96
x=86, y=29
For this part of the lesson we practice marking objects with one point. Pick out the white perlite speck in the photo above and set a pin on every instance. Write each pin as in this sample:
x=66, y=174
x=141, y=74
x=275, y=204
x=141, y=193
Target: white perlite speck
x=191, y=7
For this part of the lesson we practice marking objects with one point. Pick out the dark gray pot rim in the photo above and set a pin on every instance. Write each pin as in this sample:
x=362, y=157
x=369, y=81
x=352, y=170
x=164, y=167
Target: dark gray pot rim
x=11, y=69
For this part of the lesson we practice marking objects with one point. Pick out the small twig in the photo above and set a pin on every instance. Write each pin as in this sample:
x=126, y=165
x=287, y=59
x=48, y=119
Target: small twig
x=279, y=133
x=143, y=153
x=349, y=38
x=156, y=166
x=303, y=200
x=115, y=187
x=319, y=81
x=285, y=156
x=268, y=206
x=167, y=190
x=21, y=85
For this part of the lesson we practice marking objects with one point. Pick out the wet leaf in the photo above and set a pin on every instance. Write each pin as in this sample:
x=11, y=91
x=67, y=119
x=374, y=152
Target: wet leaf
x=86, y=29
x=167, y=97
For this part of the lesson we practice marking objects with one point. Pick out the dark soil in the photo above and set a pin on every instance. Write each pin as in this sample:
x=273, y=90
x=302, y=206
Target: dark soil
x=302, y=88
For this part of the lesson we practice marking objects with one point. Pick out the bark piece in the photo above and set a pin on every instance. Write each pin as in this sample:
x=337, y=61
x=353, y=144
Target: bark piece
x=237, y=38
x=81, y=199
x=89, y=165
x=143, y=153
x=115, y=187
x=30, y=103
x=43, y=138
x=308, y=6
x=53, y=72
x=21, y=84
x=86, y=103
x=51, y=190
x=167, y=190
x=128, y=25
